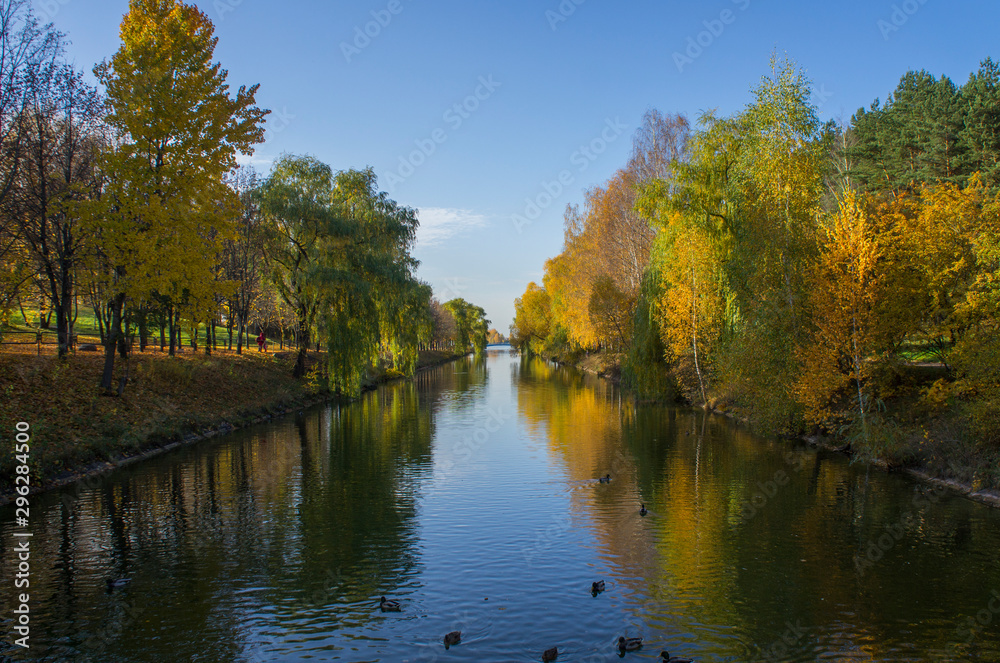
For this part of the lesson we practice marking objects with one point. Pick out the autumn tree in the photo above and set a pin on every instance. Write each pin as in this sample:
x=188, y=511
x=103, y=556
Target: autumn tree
x=443, y=323
x=847, y=290
x=243, y=254
x=945, y=224
x=660, y=143
x=61, y=143
x=26, y=48
x=532, y=320
x=177, y=133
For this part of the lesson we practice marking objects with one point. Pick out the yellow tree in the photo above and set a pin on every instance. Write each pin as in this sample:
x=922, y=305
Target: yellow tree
x=532, y=319
x=848, y=290
x=691, y=307
x=963, y=272
x=944, y=223
x=569, y=278
x=166, y=207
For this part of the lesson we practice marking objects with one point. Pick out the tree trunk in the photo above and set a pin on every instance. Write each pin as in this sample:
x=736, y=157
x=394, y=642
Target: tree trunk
x=114, y=330
x=694, y=337
x=143, y=321
x=72, y=321
x=300, y=361
x=173, y=331
x=62, y=324
x=24, y=316
x=100, y=325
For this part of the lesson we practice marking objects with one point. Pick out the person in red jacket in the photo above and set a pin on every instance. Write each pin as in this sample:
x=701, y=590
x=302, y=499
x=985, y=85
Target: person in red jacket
x=261, y=343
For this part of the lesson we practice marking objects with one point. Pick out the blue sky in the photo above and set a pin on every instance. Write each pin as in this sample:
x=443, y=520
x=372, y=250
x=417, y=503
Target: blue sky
x=470, y=110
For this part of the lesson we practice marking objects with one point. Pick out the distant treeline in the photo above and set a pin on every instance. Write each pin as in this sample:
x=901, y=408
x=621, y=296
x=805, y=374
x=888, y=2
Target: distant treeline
x=797, y=270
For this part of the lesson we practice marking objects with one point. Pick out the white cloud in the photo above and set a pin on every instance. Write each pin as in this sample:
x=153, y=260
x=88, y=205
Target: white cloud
x=439, y=224
x=260, y=162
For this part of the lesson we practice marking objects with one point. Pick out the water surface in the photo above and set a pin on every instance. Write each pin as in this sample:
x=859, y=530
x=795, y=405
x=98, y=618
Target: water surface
x=471, y=496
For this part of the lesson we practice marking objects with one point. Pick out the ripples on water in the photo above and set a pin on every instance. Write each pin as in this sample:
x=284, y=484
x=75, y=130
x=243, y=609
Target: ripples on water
x=471, y=496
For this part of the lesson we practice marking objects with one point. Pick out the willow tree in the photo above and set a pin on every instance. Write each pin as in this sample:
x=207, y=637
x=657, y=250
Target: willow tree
x=471, y=323
x=696, y=215
x=339, y=256
x=304, y=235
x=376, y=306
x=177, y=133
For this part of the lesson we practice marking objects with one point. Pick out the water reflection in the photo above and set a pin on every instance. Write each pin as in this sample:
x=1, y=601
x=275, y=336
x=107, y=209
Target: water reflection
x=471, y=496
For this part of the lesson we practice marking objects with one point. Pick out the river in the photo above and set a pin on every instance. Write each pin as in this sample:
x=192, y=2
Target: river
x=471, y=496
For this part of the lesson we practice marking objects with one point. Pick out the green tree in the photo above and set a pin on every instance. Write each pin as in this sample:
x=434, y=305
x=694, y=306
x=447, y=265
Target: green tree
x=376, y=306
x=981, y=135
x=914, y=137
x=471, y=325
x=304, y=234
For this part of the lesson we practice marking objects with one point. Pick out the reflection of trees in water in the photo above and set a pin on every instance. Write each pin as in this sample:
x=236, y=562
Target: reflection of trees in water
x=753, y=534
x=304, y=521
x=357, y=515
x=313, y=512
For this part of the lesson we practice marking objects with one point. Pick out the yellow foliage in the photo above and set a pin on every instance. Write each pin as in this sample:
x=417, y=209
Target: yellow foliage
x=846, y=291
x=690, y=310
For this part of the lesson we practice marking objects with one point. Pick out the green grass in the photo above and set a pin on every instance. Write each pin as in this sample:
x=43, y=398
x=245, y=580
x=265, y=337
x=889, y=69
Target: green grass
x=923, y=349
x=88, y=330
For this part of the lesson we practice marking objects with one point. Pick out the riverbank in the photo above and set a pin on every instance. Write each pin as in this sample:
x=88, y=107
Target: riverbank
x=169, y=401
x=935, y=450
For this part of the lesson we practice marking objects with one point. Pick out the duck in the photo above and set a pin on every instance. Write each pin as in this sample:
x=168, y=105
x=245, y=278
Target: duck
x=642, y=510
x=452, y=638
x=388, y=605
x=629, y=644
x=118, y=583
x=550, y=654
x=605, y=479
x=665, y=655
x=597, y=587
